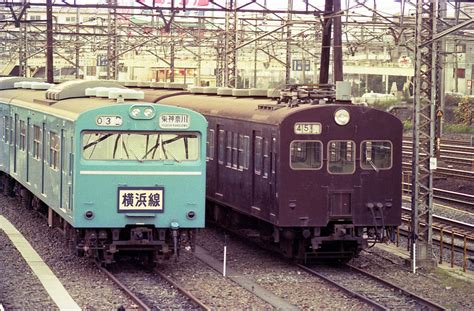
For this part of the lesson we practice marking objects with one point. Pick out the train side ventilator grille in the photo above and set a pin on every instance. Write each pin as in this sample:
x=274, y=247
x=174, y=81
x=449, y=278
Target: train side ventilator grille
x=340, y=205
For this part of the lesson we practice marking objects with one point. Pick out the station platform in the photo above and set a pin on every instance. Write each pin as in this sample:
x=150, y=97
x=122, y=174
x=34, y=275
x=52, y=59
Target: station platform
x=39, y=268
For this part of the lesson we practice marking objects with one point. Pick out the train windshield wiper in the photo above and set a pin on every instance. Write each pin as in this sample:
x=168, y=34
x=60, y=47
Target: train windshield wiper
x=376, y=169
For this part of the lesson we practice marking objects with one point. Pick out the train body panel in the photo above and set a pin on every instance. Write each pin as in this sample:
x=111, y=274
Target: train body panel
x=302, y=179
x=98, y=180
x=114, y=175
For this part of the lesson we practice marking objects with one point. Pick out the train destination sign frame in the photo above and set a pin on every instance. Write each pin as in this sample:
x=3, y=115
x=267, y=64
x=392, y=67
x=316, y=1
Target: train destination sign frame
x=307, y=128
x=141, y=199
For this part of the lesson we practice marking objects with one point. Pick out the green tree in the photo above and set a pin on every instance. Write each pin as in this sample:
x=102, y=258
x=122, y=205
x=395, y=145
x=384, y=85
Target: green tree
x=465, y=111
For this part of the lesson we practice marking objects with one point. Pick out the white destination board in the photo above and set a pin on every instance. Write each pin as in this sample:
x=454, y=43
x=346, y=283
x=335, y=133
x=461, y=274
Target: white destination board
x=174, y=120
x=147, y=199
x=307, y=128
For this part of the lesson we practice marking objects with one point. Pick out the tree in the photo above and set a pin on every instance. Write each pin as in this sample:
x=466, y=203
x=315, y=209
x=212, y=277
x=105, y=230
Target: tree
x=465, y=111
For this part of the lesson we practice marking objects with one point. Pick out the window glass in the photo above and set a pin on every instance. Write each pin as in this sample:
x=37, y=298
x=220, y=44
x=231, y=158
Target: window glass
x=53, y=150
x=220, y=156
x=36, y=141
x=141, y=146
x=235, y=149
x=376, y=155
x=210, y=145
x=22, y=142
x=258, y=155
x=6, y=129
x=229, y=149
x=306, y=155
x=266, y=158
x=341, y=159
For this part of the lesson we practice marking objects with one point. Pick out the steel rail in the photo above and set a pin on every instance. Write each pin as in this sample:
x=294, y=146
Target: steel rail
x=183, y=290
x=447, y=172
x=343, y=288
x=123, y=288
x=447, y=221
x=463, y=198
x=431, y=305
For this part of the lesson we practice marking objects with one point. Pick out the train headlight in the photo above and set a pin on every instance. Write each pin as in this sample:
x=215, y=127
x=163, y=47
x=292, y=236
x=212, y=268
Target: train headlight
x=135, y=112
x=342, y=117
x=149, y=112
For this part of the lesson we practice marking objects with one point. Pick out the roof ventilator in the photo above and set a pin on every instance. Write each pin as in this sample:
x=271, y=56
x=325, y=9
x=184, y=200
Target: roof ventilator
x=77, y=88
x=7, y=83
x=119, y=94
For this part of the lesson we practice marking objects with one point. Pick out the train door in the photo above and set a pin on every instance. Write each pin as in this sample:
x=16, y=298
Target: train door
x=220, y=165
x=5, y=128
x=261, y=172
x=14, y=142
x=273, y=177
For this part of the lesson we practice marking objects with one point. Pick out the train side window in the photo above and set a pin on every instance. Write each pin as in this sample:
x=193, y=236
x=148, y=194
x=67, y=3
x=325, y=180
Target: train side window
x=376, y=155
x=22, y=141
x=266, y=158
x=54, y=150
x=235, y=150
x=220, y=156
x=36, y=141
x=274, y=155
x=6, y=131
x=258, y=155
x=244, y=152
x=229, y=149
x=210, y=145
x=12, y=131
x=306, y=155
x=341, y=157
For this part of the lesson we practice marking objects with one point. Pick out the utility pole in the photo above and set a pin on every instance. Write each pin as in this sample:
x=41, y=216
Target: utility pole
x=288, y=43
x=230, y=69
x=49, y=42
x=427, y=98
x=326, y=43
x=112, y=67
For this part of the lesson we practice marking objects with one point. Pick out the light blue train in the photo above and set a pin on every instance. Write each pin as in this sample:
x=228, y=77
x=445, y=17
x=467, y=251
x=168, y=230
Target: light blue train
x=114, y=173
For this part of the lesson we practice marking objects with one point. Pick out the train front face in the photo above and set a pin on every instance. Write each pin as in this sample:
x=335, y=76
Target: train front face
x=342, y=177
x=139, y=182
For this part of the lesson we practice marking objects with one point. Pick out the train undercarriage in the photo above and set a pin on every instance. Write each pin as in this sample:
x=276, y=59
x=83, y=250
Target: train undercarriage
x=341, y=241
x=150, y=245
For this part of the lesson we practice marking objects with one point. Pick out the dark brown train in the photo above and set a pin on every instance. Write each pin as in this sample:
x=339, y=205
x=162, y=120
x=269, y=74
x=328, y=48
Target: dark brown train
x=314, y=180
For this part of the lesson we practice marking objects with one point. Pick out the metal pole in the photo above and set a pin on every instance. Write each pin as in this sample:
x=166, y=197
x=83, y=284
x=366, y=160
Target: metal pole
x=77, y=45
x=326, y=44
x=337, y=45
x=49, y=42
x=288, y=44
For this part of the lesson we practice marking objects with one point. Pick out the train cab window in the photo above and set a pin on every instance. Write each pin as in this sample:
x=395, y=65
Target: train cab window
x=210, y=145
x=306, y=155
x=341, y=157
x=140, y=146
x=220, y=156
x=258, y=155
x=54, y=150
x=376, y=155
x=36, y=141
x=22, y=141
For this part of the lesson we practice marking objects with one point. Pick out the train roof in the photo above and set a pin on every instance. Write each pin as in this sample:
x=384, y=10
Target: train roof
x=260, y=110
x=69, y=108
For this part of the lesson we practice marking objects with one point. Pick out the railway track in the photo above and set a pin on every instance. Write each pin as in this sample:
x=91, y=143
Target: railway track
x=446, y=195
x=445, y=172
x=151, y=300
x=380, y=294
x=140, y=303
